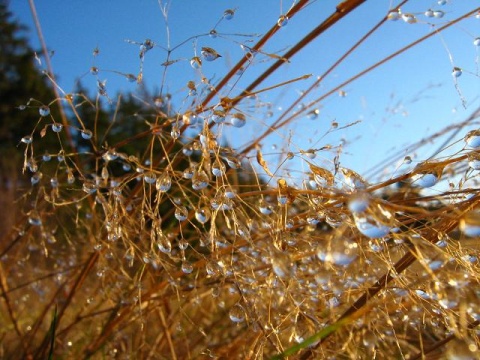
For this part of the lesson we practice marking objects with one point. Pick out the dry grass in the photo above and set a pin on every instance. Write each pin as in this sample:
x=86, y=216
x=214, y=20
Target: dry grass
x=199, y=250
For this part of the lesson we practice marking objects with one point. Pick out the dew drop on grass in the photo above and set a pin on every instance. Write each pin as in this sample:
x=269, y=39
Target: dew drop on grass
x=264, y=207
x=353, y=180
x=228, y=14
x=86, y=134
x=34, y=219
x=199, y=180
x=54, y=182
x=441, y=2
x=425, y=180
x=181, y=213
x=470, y=224
x=44, y=110
x=282, y=21
x=218, y=117
x=164, y=183
x=218, y=168
x=438, y=14
x=456, y=72
x=187, y=267
x=209, y=54
x=57, y=127
x=472, y=139
x=358, y=203
x=202, y=215
x=149, y=177
x=429, y=13
x=233, y=162
x=237, y=313
x=196, y=62
x=407, y=160
x=35, y=179
x=94, y=70
x=213, y=34
x=474, y=161
x=238, y=120
x=476, y=41
x=312, y=115
x=373, y=223
x=27, y=139
x=393, y=15
x=46, y=157
x=409, y=18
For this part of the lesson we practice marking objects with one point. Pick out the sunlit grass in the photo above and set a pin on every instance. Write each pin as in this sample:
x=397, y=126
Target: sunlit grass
x=170, y=242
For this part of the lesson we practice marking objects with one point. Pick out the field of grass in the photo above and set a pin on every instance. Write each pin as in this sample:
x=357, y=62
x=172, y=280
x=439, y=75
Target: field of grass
x=159, y=238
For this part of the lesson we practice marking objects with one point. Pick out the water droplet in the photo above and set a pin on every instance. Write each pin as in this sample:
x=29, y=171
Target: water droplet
x=426, y=174
x=110, y=155
x=44, y=110
x=476, y=41
x=94, y=70
x=353, y=180
x=187, y=151
x=164, y=183
x=200, y=180
x=228, y=14
x=233, y=162
x=213, y=34
x=149, y=177
x=35, y=179
x=441, y=2
x=264, y=207
x=340, y=252
x=282, y=199
x=188, y=173
x=27, y=139
x=46, y=157
x=438, y=14
x=218, y=168
x=86, y=134
x=187, y=268
x=34, y=218
x=57, y=127
x=409, y=18
x=312, y=115
x=456, y=72
x=237, y=313
x=407, y=160
x=429, y=13
x=393, y=15
x=374, y=223
x=282, y=21
x=218, y=116
x=175, y=132
x=230, y=193
x=89, y=187
x=196, y=62
x=473, y=139
x=70, y=177
x=54, y=182
x=238, y=120
x=209, y=54
x=470, y=224
x=474, y=161
x=202, y=215
x=358, y=203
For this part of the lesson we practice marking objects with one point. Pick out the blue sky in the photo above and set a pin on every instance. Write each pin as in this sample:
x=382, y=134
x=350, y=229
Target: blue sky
x=398, y=103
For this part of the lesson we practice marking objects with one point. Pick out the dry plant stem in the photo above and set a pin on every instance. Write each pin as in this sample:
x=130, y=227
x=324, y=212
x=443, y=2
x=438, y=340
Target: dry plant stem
x=76, y=285
x=297, y=7
x=11, y=314
x=342, y=10
x=374, y=66
x=402, y=264
x=442, y=342
x=276, y=125
x=38, y=27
